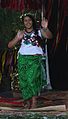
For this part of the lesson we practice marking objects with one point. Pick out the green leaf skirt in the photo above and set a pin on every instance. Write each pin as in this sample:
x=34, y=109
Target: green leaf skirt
x=30, y=74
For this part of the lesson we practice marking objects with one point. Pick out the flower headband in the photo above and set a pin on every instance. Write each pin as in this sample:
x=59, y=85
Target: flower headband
x=26, y=14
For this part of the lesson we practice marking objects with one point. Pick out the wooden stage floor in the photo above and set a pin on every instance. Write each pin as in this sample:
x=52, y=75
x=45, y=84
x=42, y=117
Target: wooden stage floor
x=49, y=102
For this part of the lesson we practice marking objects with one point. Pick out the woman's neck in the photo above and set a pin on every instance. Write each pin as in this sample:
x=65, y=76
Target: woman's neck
x=29, y=30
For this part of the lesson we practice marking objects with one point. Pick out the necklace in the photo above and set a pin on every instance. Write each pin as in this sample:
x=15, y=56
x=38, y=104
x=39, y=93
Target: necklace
x=29, y=33
x=30, y=38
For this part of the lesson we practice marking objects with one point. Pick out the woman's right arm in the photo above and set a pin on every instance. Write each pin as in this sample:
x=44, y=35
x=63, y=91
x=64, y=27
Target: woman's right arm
x=15, y=40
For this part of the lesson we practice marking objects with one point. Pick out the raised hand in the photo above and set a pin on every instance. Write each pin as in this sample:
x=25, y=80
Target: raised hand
x=18, y=37
x=44, y=23
x=20, y=34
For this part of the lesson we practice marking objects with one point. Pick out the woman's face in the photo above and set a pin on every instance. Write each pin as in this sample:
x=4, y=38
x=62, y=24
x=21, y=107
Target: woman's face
x=28, y=22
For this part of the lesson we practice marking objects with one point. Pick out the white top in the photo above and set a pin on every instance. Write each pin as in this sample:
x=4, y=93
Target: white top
x=27, y=48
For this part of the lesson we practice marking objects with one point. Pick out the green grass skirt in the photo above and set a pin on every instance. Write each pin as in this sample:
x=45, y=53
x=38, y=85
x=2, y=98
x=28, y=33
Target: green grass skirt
x=30, y=75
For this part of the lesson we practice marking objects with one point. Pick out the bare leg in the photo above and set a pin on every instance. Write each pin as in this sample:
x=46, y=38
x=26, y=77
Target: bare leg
x=34, y=102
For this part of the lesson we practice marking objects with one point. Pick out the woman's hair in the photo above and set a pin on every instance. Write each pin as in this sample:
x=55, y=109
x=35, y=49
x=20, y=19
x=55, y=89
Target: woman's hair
x=32, y=18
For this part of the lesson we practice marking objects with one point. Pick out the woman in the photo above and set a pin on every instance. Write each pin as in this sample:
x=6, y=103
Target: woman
x=30, y=57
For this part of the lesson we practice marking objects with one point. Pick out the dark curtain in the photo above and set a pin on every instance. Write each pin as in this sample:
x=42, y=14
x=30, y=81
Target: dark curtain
x=13, y=4
x=58, y=54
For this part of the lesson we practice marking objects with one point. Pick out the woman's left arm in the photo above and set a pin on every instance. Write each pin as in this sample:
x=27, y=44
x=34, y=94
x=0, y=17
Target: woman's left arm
x=46, y=33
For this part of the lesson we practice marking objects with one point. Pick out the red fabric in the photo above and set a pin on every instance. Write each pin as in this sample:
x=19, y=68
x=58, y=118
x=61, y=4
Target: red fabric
x=11, y=101
x=11, y=4
x=65, y=4
x=3, y=3
x=61, y=19
x=14, y=4
x=7, y=3
x=21, y=7
x=29, y=4
x=48, y=10
x=60, y=22
x=37, y=4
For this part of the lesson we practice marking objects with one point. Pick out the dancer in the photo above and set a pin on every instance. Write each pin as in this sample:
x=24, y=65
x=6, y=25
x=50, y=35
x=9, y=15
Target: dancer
x=30, y=57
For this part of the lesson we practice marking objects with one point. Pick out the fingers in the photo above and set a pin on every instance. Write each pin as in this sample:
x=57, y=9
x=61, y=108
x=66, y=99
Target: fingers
x=20, y=34
x=44, y=19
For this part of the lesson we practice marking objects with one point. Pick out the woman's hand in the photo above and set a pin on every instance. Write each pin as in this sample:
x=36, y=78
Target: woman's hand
x=20, y=34
x=44, y=23
x=18, y=37
x=46, y=33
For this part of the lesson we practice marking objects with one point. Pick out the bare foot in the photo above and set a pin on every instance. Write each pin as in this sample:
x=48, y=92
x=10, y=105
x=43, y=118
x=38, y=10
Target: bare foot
x=27, y=104
x=34, y=102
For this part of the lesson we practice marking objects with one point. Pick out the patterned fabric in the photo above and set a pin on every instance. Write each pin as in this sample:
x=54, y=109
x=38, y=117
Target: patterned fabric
x=32, y=38
x=30, y=75
x=31, y=43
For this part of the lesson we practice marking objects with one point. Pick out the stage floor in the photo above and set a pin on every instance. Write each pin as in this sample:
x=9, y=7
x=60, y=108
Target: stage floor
x=49, y=102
